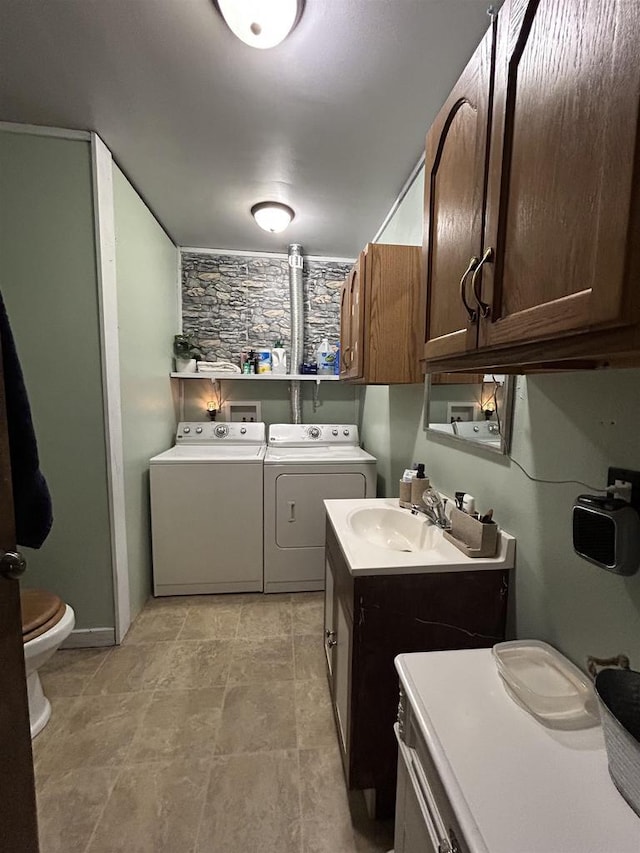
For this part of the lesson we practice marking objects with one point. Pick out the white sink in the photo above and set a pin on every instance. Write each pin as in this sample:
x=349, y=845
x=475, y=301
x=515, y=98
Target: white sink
x=377, y=537
x=394, y=529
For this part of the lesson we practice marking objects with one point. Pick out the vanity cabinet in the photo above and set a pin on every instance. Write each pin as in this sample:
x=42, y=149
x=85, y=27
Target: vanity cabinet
x=368, y=621
x=532, y=197
x=379, y=340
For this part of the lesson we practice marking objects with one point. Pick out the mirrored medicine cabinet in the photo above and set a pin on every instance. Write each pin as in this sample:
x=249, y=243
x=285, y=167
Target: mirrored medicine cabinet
x=478, y=413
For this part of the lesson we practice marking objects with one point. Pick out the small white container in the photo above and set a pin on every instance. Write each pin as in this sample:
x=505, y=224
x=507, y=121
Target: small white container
x=279, y=360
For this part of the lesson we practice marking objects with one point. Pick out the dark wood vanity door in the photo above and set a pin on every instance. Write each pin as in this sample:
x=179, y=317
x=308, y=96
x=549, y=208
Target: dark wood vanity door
x=455, y=177
x=561, y=176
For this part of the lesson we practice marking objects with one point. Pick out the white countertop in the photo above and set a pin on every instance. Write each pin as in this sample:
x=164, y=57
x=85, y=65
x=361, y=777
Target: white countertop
x=516, y=786
x=364, y=558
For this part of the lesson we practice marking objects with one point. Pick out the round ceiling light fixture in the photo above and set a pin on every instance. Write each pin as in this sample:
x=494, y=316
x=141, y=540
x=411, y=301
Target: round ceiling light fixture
x=272, y=215
x=261, y=23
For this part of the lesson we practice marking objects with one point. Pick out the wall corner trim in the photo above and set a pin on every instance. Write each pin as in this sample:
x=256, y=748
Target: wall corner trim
x=41, y=130
x=103, y=203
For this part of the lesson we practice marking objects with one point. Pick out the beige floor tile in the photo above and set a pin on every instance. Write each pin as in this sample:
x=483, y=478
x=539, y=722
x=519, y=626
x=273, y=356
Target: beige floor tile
x=69, y=805
x=314, y=716
x=68, y=671
x=178, y=724
x=168, y=602
x=156, y=625
x=260, y=660
x=323, y=792
x=61, y=709
x=328, y=835
x=196, y=664
x=268, y=617
x=309, y=658
x=95, y=732
x=226, y=600
x=154, y=808
x=308, y=612
x=252, y=805
x=257, y=717
x=210, y=623
x=130, y=669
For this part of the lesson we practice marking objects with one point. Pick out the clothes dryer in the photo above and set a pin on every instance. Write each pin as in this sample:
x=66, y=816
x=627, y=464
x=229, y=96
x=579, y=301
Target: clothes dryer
x=206, y=510
x=306, y=464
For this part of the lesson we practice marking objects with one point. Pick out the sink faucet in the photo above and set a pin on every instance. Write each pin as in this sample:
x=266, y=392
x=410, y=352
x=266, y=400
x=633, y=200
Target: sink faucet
x=433, y=508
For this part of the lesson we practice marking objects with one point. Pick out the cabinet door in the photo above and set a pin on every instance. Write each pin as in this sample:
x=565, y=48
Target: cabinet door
x=356, y=323
x=342, y=672
x=561, y=175
x=329, y=627
x=455, y=177
x=345, y=329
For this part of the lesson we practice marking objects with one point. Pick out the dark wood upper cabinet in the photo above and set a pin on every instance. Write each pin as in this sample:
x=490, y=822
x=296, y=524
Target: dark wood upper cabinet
x=556, y=283
x=380, y=303
x=455, y=178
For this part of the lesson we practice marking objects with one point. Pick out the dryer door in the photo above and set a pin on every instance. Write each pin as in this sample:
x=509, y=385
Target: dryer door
x=300, y=515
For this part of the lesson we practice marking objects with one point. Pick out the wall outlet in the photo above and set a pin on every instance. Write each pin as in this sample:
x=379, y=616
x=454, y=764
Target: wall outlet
x=627, y=485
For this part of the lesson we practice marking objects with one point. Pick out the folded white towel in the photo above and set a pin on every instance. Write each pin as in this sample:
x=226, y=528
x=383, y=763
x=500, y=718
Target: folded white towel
x=218, y=367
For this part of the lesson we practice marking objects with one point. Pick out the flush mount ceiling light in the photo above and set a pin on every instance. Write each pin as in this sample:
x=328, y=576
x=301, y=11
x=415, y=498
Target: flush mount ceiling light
x=272, y=216
x=261, y=23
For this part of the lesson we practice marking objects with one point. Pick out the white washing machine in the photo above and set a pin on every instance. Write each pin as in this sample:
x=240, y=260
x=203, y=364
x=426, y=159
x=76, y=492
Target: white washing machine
x=206, y=510
x=305, y=465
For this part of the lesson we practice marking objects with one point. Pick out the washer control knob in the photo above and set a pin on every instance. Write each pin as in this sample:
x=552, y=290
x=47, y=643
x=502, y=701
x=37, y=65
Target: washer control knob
x=314, y=432
x=221, y=430
x=345, y=432
x=334, y=432
x=186, y=430
x=243, y=430
x=198, y=430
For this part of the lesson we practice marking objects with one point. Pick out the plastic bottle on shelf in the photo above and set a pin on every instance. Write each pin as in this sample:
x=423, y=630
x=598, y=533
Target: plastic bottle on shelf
x=278, y=358
x=324, y=358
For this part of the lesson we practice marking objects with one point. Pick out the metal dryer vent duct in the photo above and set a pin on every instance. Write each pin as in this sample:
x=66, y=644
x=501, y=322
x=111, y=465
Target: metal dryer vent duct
x=297, y=327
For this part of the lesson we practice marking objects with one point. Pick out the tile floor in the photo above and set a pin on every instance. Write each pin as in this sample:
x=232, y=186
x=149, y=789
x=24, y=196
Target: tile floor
x=208, y=731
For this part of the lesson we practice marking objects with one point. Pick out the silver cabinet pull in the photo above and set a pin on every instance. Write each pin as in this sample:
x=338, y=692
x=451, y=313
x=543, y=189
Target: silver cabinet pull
x=484, y=307
x=473, y=314
x=12, y=564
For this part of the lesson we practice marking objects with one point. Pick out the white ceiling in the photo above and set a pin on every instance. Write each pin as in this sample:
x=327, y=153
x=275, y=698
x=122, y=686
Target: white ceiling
x=331, y=121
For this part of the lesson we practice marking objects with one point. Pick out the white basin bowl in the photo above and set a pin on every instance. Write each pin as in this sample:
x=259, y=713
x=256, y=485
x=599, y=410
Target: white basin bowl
x=394, y=529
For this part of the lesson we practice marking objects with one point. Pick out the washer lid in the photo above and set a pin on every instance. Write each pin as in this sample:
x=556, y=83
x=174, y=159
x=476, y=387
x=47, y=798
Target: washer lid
x=210, y=453
x=318, y=454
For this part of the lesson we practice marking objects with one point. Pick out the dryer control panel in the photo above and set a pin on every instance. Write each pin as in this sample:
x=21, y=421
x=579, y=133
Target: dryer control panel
x=209, y=432
x=301, y=435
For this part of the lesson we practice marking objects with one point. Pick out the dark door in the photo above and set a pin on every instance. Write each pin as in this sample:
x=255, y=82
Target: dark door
x=18, y=821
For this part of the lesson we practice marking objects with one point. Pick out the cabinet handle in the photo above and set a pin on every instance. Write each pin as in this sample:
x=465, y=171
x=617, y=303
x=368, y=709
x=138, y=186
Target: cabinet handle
x=292, y=511
x=485, y=308
x=346, y=363
x=473, y=314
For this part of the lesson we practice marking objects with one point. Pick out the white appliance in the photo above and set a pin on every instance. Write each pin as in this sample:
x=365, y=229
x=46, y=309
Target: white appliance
x=206, y=510
x=478, y=774
x=305, y=465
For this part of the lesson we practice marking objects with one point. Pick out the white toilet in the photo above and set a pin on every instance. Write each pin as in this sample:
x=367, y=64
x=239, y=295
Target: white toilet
x=46, y=623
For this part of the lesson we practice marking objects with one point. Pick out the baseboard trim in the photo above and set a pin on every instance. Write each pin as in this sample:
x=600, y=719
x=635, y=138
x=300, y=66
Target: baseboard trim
x=90, y=638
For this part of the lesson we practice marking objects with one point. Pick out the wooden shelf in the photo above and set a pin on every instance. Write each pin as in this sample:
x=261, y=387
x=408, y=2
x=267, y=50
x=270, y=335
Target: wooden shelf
x=259, y=377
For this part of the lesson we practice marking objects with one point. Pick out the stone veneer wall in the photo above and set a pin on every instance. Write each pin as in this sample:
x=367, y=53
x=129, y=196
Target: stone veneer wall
x=233, y=301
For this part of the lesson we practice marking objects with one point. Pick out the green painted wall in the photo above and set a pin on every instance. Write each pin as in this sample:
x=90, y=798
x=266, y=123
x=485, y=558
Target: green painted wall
x=48, y=279
x=566, y=426
x=336, y=401
x=146, y=268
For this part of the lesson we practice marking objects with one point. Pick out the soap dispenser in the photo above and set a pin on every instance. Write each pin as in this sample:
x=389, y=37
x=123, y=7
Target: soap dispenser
x=419, y=485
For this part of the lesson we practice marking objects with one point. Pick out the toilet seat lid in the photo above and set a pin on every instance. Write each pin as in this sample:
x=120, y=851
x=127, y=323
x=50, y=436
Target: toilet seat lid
x=41, y=610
